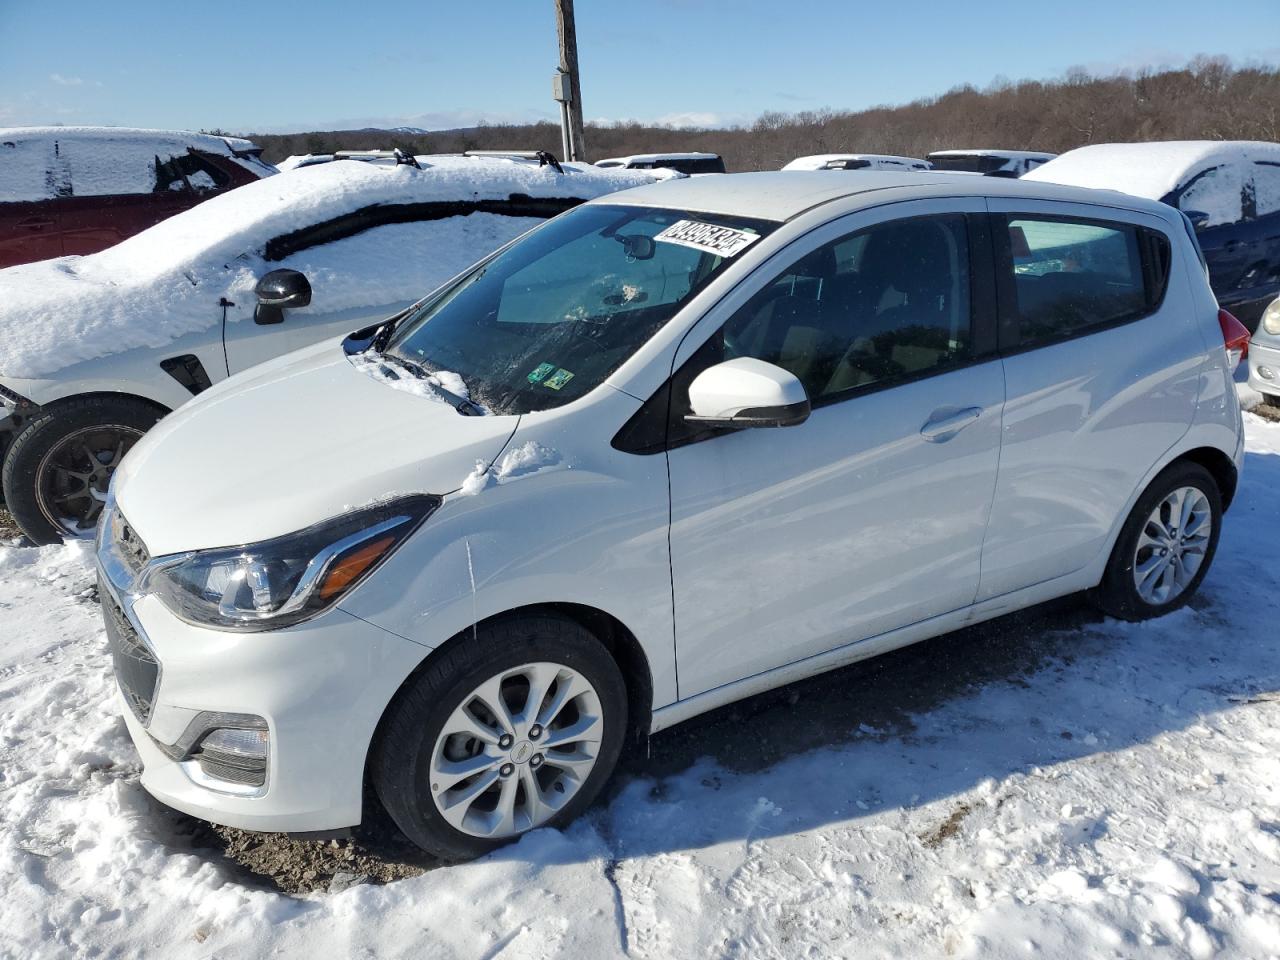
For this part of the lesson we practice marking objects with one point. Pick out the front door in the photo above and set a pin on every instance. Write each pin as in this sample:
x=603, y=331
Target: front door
x=786, y=543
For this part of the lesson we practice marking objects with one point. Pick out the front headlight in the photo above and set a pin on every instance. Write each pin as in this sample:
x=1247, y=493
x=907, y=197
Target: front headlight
x=275, y=583
x=1271, y=318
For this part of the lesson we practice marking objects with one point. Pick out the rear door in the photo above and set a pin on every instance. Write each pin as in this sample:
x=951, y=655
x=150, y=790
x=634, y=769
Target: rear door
x=786, y=543
x=1101, y=359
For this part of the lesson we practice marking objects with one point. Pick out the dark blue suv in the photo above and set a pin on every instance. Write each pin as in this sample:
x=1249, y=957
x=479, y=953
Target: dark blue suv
x=1229, y=190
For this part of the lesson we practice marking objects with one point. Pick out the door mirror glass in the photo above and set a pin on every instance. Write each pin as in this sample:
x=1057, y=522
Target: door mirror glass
x=278, y=291
x=747, y=392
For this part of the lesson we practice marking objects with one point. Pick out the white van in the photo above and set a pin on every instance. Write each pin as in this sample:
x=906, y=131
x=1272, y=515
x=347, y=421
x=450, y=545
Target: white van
x=672, y=448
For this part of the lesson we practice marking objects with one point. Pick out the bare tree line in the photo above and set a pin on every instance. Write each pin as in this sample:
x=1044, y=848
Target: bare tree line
x=1207, y=99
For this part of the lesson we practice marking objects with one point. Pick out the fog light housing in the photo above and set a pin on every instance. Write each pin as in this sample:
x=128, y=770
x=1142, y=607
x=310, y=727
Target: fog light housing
x=235, y=755
x=1265, y=372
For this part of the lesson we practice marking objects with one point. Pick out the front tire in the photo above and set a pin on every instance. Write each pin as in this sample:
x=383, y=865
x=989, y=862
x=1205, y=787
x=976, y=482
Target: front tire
x=1271, y=400
x=57, y=469
x=514, y=728
x=1165, y=547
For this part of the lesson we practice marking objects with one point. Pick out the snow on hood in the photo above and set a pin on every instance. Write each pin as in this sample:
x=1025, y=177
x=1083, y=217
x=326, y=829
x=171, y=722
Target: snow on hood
x=274, y=434
x=165, y=282
x=1148, y=170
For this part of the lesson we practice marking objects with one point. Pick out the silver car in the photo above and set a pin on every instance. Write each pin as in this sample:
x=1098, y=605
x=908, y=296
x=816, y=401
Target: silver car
x=1264, y=355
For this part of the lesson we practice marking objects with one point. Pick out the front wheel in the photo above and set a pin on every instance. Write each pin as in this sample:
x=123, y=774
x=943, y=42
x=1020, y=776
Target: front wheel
x=1165, y=547
x=514, y=728
x=57, y=469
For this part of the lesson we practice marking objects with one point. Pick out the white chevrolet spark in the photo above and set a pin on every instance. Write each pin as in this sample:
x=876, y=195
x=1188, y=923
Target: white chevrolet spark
x=672, y=448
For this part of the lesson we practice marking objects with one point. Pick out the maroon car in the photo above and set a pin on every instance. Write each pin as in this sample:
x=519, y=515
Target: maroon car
x=73, y=190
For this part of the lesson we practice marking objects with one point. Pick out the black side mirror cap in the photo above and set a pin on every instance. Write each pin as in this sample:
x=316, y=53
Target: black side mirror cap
x=278, y=291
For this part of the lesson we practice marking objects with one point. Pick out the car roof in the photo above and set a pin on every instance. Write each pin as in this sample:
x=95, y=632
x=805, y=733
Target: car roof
x=1148, y=169
x=656, y=157
x=781, y=195
x=1006, y=154
x=213, y=143
x=818, y=161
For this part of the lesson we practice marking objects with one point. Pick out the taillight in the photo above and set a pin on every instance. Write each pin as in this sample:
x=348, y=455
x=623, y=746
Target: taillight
x=1236, y=337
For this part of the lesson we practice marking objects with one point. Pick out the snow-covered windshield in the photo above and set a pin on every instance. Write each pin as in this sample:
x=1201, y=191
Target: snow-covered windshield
x=551, y=317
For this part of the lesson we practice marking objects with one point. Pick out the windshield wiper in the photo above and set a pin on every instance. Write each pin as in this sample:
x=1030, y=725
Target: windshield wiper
x=464, y=406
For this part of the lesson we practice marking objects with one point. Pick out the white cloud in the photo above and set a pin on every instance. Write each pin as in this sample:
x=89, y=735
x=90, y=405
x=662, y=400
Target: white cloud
x=62, y=81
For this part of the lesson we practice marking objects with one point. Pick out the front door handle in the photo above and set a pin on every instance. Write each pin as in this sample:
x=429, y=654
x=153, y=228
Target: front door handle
x=38, y=223
x=943, y=426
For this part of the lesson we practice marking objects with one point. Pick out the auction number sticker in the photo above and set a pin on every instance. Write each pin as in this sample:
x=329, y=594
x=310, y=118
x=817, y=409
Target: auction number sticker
x=708, y=237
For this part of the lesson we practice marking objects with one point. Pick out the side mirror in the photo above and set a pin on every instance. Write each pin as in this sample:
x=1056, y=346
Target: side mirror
x=1198, y=218
x=747, y=393
x=278, y=291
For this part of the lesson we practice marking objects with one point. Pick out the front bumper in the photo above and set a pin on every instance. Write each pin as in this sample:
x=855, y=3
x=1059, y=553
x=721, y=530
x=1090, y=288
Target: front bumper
x=1264, y=357
x=321, y=687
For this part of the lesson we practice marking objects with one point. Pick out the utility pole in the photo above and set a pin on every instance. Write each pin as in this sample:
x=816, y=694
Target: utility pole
x=571, y=113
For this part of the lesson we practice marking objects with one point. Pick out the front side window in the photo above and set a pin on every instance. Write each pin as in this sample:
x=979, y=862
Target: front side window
x=1213, y=197
x=1071, y=276
x=885, y=304
x=1266, y=187
x=550, y=318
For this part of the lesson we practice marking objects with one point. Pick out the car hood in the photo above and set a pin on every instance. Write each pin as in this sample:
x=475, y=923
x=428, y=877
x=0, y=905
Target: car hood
x=57, y=313
x=297, y=440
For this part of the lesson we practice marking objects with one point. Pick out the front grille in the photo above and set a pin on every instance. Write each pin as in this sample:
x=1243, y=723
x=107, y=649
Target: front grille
x=137, y=671
x=129, y=545
x=250, y=771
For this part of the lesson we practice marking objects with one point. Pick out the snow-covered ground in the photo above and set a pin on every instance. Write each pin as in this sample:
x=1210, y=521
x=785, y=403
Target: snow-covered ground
x=1053, y=784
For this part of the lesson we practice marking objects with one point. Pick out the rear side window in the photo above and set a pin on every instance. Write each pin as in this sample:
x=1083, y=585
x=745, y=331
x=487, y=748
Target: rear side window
x=1067, y=277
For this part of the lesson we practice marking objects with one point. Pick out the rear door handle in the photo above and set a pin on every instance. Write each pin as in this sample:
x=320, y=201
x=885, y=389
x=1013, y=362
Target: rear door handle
x=943, y=426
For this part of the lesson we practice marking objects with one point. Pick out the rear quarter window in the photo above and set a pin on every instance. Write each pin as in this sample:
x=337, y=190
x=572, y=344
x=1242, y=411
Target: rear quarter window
x=1065, y=277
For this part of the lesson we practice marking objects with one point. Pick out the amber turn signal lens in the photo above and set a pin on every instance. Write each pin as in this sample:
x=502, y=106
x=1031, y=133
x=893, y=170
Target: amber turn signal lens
x=351, y=567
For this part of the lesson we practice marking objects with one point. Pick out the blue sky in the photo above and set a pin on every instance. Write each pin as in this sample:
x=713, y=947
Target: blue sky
x=277, y=65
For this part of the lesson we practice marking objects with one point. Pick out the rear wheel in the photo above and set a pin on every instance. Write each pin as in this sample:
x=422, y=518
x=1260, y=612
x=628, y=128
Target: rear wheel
x=57, y=469
x=1165, y=547
x=515, y=728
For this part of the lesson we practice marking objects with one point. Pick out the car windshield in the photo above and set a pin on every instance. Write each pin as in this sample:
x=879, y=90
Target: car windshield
x=549, y=318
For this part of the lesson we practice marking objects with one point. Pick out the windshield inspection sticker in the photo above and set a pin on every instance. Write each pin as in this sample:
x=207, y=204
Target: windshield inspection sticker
x=558, y=379
x=540, y=372
x=722, y=241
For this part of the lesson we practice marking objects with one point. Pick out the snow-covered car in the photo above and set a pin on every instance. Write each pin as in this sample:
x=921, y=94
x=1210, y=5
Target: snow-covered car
x=1264, y=355
x=1229, y=190
x=692, y=164
x=856, y=161
x=94, y=350
x=78, y=190
x=989, y=163
x=678, y=446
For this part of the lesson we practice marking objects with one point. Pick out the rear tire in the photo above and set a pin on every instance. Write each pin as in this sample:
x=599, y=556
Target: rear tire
x=1141, y=581
x=465, y=761
x=52, y=488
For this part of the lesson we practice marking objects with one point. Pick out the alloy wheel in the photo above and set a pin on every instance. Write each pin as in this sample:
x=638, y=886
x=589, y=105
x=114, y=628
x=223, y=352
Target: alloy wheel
x=1172, y=545
x=72, y=478
x=517, y=749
